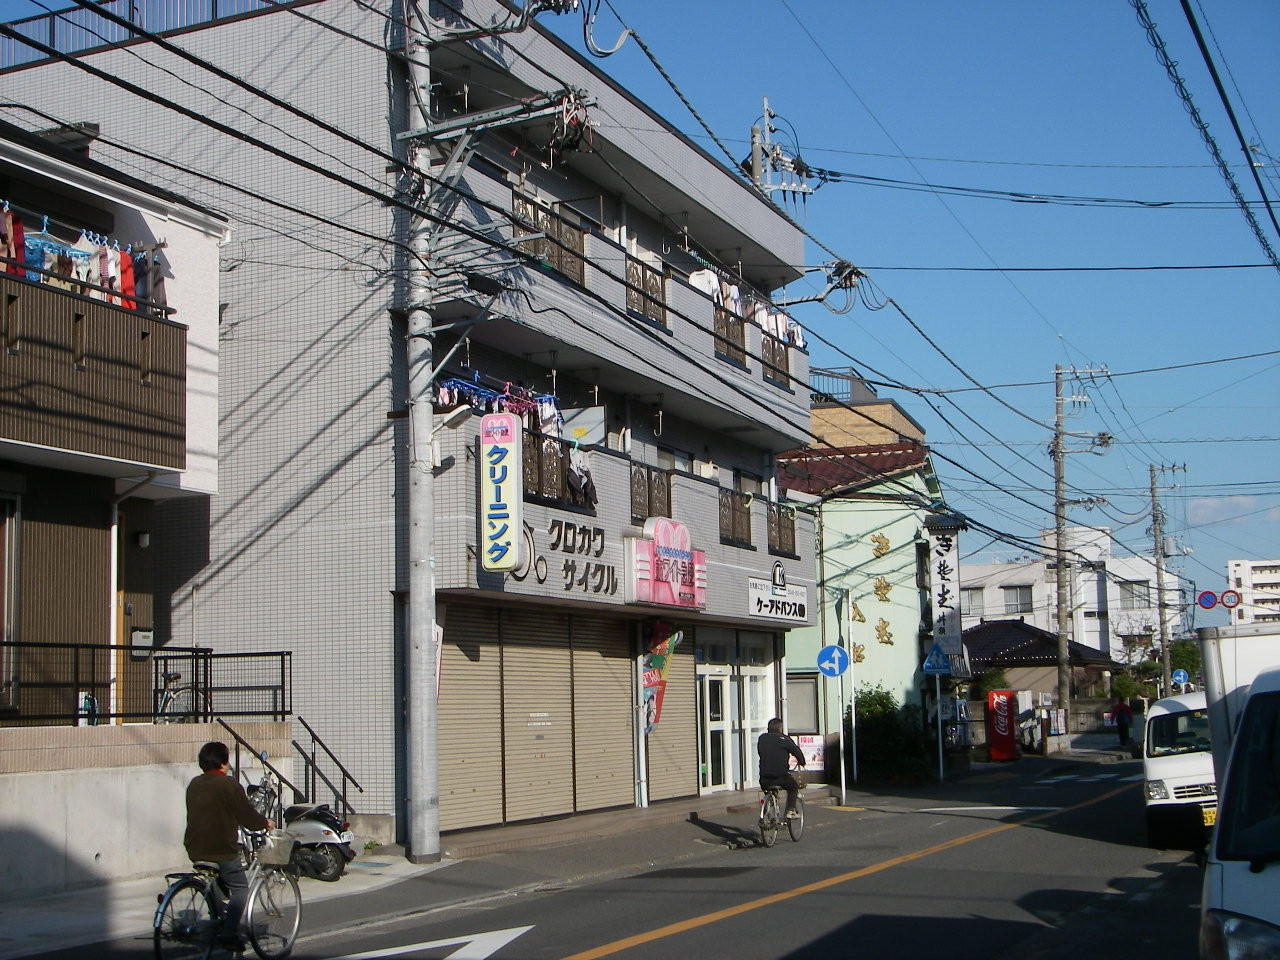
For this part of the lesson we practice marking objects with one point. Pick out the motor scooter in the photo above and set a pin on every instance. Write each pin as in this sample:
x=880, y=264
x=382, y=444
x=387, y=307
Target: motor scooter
x=323, y=839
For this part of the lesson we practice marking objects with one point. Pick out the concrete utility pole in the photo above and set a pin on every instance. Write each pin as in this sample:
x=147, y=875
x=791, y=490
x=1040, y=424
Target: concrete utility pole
x=1060, y=547
x=1058, y=451
x=422, y=800
x=1157, y=536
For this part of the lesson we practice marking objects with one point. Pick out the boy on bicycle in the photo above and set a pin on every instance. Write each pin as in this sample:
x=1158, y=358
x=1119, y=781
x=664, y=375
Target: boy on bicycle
x=216, y=807
x=774, y=747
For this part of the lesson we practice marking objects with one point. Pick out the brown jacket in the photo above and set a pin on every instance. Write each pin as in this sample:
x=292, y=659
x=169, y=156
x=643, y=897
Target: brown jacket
x=216, y=806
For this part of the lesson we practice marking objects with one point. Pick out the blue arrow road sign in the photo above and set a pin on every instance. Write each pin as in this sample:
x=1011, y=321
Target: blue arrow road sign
x=936, y=662
x=833, y=661
x=1181, y=676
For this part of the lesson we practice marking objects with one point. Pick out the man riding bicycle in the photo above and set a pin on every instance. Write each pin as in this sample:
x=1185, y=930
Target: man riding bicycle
x=216, y=807
x=774, y=748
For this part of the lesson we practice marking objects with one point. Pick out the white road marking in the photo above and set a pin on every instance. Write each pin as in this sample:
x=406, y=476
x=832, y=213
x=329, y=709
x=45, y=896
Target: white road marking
x=475, y=946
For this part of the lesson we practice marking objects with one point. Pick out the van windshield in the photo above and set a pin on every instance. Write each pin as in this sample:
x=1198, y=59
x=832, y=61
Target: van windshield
x=1249, y=813
x=1184, y=732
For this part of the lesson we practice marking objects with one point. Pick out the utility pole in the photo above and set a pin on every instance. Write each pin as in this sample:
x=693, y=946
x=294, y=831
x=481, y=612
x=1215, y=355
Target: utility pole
x=1098, y=443
x=1058, y=452
x=422, y=800
x=1157, y=536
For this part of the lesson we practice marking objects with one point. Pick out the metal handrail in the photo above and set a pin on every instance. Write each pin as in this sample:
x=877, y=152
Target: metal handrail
x=261, y=757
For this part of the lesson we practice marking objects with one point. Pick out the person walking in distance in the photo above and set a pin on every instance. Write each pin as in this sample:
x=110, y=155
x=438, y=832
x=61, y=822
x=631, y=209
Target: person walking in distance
x=216, y=807
x=1124, y=720
x=774, y=747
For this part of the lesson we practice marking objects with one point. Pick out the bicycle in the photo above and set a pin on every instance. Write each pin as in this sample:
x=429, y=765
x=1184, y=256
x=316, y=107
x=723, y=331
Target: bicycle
x=771, y=820
x=184, y=704
x=188, y=912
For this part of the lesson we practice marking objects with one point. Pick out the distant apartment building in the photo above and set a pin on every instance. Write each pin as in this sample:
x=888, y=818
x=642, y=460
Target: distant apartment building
x=1258, y=583
x=1112, y=605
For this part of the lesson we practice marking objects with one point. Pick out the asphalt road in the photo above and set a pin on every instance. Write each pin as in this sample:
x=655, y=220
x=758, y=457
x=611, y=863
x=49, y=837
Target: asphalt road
x=1041, y=862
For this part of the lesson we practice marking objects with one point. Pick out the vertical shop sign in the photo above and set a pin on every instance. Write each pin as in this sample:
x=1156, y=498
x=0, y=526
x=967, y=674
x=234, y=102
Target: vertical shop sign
x=501, y=491
x=663, y=640
x=944, y=557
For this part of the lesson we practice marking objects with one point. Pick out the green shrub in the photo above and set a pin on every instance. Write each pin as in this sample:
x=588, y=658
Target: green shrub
x=890, y=739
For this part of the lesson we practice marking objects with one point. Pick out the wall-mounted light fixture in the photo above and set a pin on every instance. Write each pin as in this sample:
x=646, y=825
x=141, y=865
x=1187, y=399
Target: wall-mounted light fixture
x=144, y=539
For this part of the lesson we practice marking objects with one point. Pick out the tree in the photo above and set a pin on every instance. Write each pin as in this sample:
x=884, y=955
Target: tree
x=1185, y=655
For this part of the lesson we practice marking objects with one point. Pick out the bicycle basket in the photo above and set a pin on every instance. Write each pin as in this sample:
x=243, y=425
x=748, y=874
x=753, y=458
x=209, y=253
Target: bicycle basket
x=276, y=848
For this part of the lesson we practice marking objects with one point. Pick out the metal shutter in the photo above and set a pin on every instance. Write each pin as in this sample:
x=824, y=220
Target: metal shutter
x=537, y=714
x=470, y=707
x=672, y=747
x=604, y=769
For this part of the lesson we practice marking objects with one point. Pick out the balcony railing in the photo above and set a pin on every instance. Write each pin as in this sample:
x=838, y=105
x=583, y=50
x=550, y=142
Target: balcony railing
x=650, y=492
x=76, y=29
x=549, y=474
x=782, y=529
x=87, y=684
x=775, y=359
x=735, y=518
x=731, y=335
x=646, y=291
x=90, y=377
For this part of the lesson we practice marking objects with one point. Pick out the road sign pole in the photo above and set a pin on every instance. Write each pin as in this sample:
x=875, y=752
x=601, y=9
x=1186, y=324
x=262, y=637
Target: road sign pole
x=937, y=694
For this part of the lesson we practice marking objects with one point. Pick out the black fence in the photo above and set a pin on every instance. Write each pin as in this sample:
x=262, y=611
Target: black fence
x=87, y=684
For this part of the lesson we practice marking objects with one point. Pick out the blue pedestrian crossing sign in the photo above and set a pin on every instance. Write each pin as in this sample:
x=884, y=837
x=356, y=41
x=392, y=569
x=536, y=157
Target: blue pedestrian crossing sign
x=936, y=663
x=833, y=661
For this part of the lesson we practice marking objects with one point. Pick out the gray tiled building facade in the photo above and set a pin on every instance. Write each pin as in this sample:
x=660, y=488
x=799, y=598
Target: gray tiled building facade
x=587, y=286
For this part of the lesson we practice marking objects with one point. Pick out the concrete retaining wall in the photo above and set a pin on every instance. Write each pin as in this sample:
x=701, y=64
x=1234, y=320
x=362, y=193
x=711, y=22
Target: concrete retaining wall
x=82, y=806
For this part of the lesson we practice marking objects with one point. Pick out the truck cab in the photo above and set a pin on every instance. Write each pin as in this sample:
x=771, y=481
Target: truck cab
x=1177, y=767
x=1240, y=905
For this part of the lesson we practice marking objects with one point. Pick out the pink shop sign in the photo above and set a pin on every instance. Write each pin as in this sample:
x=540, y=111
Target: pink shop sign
x=663, y=569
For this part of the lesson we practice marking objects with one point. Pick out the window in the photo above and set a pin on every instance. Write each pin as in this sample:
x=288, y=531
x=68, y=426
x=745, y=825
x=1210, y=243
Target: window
x=1017, y=599
x=782, y=529
x=646, y=291
x=735, y=509
x=970, y=601
x=650, y=492
x=562, y=244
x=674, y=460
x=802, y=704
x=1135, y=594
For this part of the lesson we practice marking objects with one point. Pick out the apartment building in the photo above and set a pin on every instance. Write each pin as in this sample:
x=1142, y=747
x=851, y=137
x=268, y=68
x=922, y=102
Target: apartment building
x=617, y=636
x=1112, y=605
x=1258, y=583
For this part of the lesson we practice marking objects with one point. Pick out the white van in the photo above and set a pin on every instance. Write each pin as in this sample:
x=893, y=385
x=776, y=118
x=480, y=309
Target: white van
x=1177, y=764
x=1240, y=905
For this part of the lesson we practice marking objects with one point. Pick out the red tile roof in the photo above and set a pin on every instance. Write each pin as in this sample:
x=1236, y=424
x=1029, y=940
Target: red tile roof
x=824, y=470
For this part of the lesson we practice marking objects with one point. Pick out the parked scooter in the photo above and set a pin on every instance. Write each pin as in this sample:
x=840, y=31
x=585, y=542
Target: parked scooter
x=323, y=846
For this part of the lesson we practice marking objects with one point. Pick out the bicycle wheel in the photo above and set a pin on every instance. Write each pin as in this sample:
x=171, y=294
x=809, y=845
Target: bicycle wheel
x=795, y=825
x=181, y=706
x=769, y=819
x=184, y=922
x=273, y=913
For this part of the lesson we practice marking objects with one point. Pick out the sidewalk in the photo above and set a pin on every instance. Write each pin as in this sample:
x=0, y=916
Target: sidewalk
x=124, y=909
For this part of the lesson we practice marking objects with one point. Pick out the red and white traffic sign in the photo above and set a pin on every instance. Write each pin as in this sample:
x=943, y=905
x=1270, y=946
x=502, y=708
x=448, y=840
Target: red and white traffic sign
x=1230, y=599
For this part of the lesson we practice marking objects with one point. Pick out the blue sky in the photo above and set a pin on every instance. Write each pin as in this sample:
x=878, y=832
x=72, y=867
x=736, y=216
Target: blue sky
x=1050, y=100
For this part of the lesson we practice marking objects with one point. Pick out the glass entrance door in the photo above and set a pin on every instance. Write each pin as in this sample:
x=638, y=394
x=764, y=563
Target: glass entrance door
x=715, y=716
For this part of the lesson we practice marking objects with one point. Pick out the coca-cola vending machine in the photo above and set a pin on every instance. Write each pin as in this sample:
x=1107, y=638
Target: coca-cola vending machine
x=1002, y=724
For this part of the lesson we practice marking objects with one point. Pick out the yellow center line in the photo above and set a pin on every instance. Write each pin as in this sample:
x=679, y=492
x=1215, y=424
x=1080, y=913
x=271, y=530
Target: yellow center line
x=617, y=946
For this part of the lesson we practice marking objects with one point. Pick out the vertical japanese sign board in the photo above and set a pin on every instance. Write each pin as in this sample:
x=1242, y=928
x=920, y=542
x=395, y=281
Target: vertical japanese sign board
x=944, y=582
x=663, y=640
x=501, y=491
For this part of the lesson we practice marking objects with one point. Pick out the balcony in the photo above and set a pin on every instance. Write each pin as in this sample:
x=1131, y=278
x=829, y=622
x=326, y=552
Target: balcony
x=89, y=378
